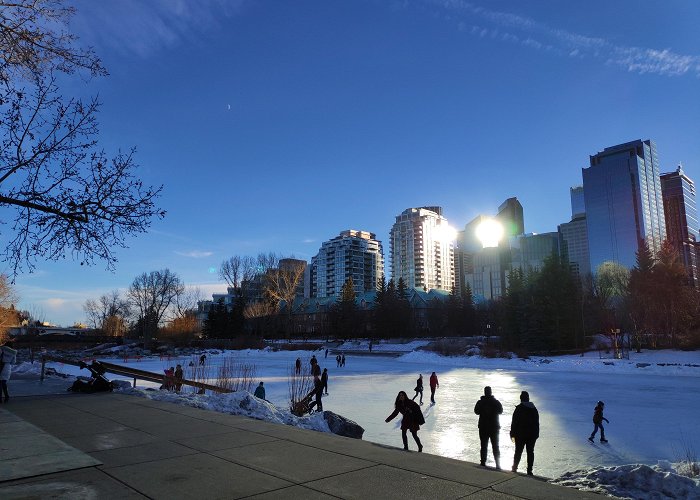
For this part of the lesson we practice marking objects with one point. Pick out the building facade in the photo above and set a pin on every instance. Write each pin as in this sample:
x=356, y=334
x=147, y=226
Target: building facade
x=422, y=250
x=573, y=237
x=352, y=254
x=681, y=215
x=623, y=203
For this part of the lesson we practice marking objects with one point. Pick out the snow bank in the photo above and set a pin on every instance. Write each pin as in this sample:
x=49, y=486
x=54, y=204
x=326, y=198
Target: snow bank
x=236, y=403
x=658, y=482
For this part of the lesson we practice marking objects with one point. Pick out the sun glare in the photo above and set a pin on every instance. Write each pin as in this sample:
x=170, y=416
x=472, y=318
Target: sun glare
x=489, y=232
x=447, y=233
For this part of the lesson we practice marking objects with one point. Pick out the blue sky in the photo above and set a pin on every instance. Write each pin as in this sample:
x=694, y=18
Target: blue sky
x=275, y=125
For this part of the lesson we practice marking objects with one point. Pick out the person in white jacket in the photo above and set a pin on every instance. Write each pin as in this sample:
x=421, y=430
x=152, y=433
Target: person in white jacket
x=8, y=356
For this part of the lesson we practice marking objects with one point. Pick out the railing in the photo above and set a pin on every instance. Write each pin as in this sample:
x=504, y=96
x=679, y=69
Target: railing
x=134, y=373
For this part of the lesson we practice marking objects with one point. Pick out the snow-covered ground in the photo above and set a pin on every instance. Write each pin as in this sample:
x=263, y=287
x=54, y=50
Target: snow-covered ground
x=652, y=401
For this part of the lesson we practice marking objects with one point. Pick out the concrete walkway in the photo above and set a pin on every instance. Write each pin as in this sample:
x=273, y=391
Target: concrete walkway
x=108, y=445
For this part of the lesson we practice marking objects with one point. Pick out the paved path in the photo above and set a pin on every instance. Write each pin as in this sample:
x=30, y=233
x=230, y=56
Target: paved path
x=72, y=446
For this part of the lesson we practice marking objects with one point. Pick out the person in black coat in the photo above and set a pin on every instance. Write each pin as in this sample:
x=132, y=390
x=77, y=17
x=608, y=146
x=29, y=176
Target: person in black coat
x=419, y=388
x=318, y=391
x=525, y=429
x=324, y=381
x=489, y=408
x=412, y=418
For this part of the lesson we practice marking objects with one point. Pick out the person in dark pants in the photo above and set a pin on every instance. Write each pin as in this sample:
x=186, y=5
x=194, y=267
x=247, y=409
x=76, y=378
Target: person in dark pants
x=598, y=422
x=324, y=380
x=412, y=418
x=525, y=429
x=318, y=391
x=489, y=408
x=434, y=384
x=419, y=388
x=297, y=366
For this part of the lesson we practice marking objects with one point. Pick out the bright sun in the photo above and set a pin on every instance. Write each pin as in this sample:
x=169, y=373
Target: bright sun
x=489, y=232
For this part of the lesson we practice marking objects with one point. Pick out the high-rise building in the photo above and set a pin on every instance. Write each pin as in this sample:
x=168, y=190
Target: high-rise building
x=573, y=236
x=622, y=194
x=352, y=254
x=510, y=215
x=529, y=251
x=422, y=250
x=578, y=203
x=681, y=215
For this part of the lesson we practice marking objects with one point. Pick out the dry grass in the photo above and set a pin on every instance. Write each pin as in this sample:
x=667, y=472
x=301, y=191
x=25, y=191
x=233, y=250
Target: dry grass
x=236, y=376
x=300, y=385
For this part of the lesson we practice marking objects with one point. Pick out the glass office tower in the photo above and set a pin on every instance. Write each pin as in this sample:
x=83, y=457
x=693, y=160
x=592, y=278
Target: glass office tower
x=622, y=194
x=681, y=214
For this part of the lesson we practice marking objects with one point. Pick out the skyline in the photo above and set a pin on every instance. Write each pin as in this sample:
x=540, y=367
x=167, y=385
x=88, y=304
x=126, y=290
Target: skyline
x=274, y=127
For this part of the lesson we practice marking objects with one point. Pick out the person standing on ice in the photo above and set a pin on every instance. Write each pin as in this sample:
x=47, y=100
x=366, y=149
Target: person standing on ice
x=598, y=422
x=297, y=366
x=524, y=430
x=324, y=380
x=419, y=388
x=489, y=408
x=434, y=384
x=412, y=418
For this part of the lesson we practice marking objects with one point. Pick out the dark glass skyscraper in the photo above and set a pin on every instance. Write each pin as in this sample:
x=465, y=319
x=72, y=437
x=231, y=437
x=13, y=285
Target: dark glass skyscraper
x=681, y=214
x=622, y=194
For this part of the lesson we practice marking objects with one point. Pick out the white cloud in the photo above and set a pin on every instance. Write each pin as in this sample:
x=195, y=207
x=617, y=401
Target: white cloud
x=142, y=28
x=195, y=254
x=539, y=36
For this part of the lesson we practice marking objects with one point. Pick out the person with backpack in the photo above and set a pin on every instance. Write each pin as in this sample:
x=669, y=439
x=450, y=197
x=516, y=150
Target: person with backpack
x=489, y=408
x=524, y=430
x=598, y=422
x=412, y=418
x=419, y=388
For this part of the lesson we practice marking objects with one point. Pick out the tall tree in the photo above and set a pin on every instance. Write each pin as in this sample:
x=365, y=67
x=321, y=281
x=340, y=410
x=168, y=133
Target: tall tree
x=108, y=313
x=63, y=195
x=8, y=315
x=282, y=284
x=151, y=294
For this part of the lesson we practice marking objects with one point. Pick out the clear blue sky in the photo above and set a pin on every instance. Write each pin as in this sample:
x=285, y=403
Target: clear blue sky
x=275, y=125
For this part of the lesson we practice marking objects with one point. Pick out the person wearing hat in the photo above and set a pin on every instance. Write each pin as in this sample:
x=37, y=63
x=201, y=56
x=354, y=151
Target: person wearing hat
x=524, y=430
x=598, y=422
x=260, y=391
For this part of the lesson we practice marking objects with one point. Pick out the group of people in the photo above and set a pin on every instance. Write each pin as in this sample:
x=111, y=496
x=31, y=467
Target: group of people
x=173, y=378
x=524, y=427
x=340, y=360
x=419, y=388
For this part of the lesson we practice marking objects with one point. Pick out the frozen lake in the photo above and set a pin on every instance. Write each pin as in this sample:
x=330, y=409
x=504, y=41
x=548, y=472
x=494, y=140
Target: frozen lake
x=652, y=416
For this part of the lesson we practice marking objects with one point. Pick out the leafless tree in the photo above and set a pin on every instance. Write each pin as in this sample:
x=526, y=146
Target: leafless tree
x=8, y=314
x=266, y=262
x=237, y=269
x=109, y=313
x=282, y=283
x=186, y=301
x=67, y=196
x=151, y=294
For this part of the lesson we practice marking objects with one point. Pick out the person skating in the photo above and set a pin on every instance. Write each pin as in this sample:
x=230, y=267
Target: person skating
x=419, y=388
x=434, y=384
x=324, y=381
x=411, y=421
x=489, y=408
x=297, y=366
x=337, y=361
x=8, y=356
x=598, y=422
x=525, y=429
x=342, y=360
